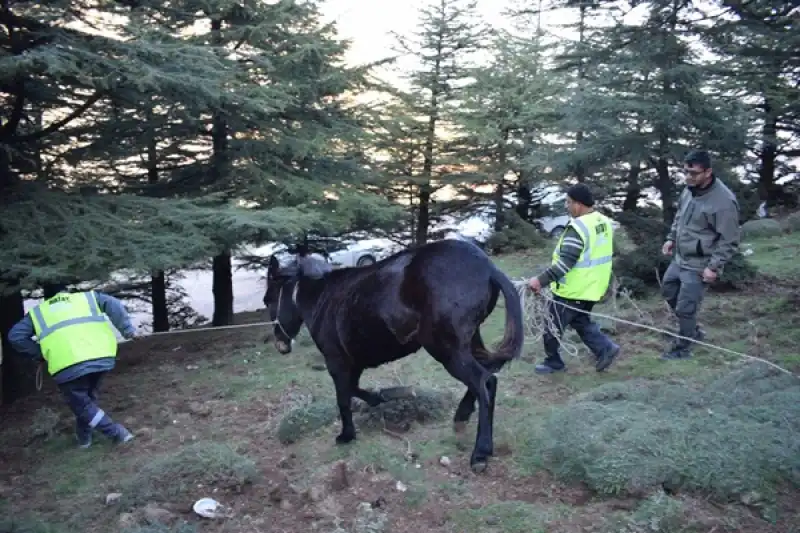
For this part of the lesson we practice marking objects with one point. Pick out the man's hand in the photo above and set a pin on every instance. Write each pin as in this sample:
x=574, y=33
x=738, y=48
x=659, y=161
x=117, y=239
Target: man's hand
x=535, y=285
x=667, y=248
x=709, y=276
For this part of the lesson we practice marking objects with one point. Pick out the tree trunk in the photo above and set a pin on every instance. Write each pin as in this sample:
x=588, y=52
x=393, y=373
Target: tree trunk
x=223, y=290
x=524, y=198
x=222, y=271
x=666, y=187
x=423, y=215
x=18, y=373
x=768, y=153
x=158, y=281
x=633, y=190
x=158, y=295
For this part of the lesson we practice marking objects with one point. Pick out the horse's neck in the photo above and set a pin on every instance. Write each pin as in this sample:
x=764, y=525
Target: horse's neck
x=306, y=295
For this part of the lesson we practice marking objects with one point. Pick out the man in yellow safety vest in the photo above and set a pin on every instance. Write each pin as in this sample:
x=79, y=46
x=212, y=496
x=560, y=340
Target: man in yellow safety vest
x=579, y=277
x=79, y=346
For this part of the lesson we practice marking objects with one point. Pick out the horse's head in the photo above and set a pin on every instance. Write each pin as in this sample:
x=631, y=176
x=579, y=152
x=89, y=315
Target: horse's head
x=281, y=303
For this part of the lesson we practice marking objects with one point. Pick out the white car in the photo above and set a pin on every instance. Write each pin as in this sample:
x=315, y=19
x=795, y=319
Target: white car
x=552, y=226
x=359, y=254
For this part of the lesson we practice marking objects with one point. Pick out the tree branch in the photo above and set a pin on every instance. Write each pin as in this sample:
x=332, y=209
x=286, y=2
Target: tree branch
x=55, y=126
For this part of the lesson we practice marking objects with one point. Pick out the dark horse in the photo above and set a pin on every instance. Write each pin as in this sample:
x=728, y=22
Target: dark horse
x=435, y=297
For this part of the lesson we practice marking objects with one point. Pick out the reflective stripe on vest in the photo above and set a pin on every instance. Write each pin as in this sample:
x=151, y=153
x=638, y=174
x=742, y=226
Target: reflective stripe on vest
x=581, y=282
x=47, y=329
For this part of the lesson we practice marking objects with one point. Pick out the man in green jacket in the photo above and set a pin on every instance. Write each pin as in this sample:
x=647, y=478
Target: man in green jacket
x=703, y=238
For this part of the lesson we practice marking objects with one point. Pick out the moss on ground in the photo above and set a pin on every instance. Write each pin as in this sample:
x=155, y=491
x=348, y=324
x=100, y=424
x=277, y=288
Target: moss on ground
x=172, y=475
x=420, y=406
x=733, y=438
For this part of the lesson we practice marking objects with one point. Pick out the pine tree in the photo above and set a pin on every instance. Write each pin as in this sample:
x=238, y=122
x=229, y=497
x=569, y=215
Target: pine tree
x=444, y=46
x=648, y=105
x=507, y=112
x=757, y=45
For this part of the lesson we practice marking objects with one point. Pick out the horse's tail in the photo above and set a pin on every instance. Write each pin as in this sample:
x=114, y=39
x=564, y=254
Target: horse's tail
x=514, y=336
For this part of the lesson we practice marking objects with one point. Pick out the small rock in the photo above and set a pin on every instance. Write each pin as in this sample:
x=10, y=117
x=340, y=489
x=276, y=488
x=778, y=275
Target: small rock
x=199, y=409
x=444, y=461
x=315, y=493
x=751, y=498
x=286, y=505
x=157, y=515
x=126, y=521
x=338, y=478
x=288, y=461
x=401, y=486
x=113, y=498
x=144, y=433
x=369, y=519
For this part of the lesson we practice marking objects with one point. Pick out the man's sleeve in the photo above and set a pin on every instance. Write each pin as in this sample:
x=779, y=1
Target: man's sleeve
x=21, y=339
x=116, y=313
x=568, y=254
x=727, y=227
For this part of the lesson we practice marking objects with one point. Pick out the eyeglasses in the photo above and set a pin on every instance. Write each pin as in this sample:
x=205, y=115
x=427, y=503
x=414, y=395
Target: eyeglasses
x=693, y=172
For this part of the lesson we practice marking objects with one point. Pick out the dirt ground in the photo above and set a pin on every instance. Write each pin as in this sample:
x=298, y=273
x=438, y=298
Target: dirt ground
x=228, y=387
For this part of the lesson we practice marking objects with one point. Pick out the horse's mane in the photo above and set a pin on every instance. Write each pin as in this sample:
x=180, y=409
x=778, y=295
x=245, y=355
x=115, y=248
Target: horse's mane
x=308, y=267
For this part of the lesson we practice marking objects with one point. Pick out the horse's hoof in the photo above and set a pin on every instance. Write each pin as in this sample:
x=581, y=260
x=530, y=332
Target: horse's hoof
x=479, y=467
x=459, y=427
x=344, y=438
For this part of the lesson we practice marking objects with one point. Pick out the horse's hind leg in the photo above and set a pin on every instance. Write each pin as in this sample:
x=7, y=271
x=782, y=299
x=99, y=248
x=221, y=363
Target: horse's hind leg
x=371, y=398
x=467, y=404
x=482, y=385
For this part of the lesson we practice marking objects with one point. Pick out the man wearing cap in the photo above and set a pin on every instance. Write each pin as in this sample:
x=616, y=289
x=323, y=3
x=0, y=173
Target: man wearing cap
x=579, y=277
x=79, y=346
x=704, y=236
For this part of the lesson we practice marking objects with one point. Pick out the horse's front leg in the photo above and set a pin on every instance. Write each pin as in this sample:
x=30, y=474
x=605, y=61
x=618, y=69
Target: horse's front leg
x=344, y=394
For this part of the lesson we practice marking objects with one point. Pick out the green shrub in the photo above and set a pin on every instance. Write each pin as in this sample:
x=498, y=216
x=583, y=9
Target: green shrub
x=421, y=407
x=765, y=227
x=172, y=475
x=792, y=222
x=640, y=269
x=734, y=436
x=517, y=235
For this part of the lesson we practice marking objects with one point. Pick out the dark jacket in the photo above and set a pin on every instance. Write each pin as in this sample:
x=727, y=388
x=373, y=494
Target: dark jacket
x=706, y=229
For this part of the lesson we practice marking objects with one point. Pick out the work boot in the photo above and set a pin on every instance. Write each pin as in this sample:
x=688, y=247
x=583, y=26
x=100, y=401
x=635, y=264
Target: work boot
x=123, y=435
x=83, y=434
x=677, y=352
x=544, y=368
x=605, y=360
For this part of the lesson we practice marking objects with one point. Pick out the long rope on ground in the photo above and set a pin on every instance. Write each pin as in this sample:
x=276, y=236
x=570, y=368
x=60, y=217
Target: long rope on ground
x=533, y=304
x=538, y=320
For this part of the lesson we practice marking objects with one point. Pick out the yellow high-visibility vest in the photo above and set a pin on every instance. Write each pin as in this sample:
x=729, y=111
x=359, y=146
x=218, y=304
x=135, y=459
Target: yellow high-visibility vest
x=72, y=329
x=590, y=277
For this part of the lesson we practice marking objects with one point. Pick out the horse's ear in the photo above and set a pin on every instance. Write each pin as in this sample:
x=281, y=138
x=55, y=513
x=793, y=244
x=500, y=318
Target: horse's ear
x=273, y=267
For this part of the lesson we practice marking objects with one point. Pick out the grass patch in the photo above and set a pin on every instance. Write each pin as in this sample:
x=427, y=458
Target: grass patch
x=27, y=524
x=659, y=513
x=160, y=528
x=198, y=466
x=733, y=436
x=508, y=517
x=424, y=406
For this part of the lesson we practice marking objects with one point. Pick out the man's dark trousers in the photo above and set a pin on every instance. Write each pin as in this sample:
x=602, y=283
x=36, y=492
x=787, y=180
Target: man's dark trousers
x=81, y=396
x=576, y=316
x=684, y=289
